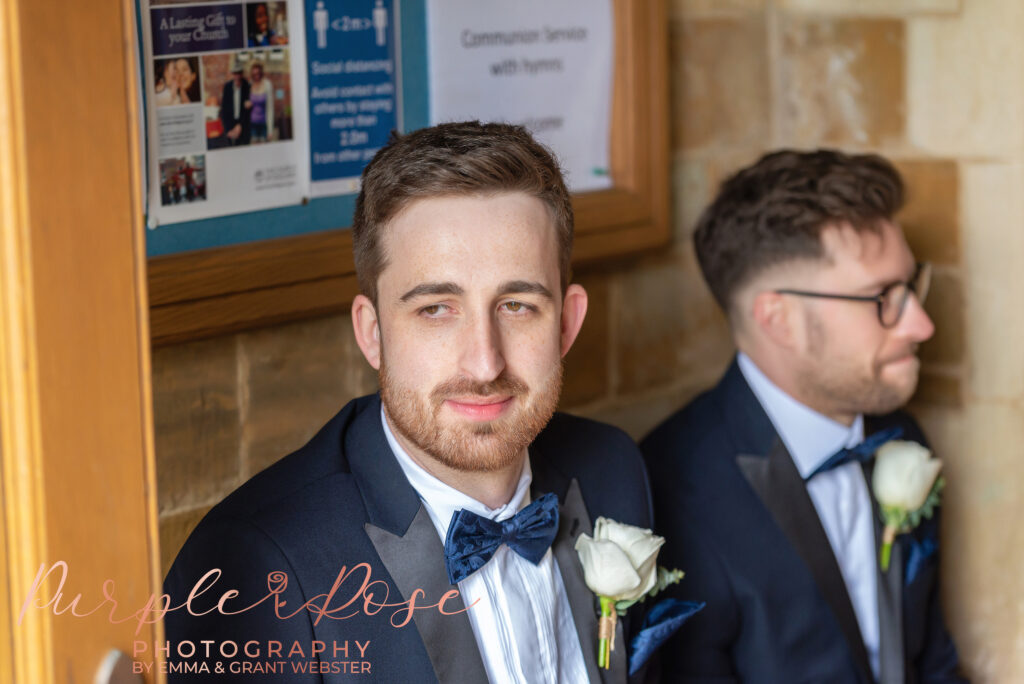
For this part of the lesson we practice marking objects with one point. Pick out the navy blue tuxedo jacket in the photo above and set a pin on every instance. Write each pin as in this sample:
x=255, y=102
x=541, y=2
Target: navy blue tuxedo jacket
x=738, y=520
x=343, y=500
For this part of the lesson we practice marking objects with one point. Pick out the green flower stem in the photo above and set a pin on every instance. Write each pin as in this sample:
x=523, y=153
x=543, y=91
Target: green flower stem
x=887, y=539
x=604, y=656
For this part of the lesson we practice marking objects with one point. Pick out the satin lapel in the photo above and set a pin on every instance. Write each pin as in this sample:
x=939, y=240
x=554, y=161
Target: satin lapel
x=783, y=492
x=890, y=599
x=574, y=521
x=391, y=502
x=407, y=543
x=415, y=562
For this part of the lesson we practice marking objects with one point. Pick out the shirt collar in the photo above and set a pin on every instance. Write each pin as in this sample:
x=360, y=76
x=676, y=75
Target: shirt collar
x=810, y=437
x=444, y=500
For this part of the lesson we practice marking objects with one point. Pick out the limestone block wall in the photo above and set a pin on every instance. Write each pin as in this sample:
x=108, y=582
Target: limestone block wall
x=936, y=85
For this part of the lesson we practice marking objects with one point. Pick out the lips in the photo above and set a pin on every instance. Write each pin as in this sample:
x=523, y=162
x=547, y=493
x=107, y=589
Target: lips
x=907, y=355
x=479, y=408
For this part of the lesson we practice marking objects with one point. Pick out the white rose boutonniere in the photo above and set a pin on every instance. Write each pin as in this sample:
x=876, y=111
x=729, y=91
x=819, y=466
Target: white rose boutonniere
x=906, y=483
x=620, y=567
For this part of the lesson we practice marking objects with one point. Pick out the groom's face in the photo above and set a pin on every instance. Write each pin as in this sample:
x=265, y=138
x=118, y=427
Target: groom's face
x=469, y=308
x=850, y=362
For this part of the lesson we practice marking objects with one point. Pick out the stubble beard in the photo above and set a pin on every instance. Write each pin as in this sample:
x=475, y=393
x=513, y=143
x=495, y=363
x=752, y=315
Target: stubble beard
x=846, y=388
x=466, y=446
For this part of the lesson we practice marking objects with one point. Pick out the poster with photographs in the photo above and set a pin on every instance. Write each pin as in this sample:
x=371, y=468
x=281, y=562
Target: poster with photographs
x=227, y=114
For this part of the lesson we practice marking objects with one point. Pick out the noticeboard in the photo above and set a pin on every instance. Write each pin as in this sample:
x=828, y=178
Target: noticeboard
x=230, y=273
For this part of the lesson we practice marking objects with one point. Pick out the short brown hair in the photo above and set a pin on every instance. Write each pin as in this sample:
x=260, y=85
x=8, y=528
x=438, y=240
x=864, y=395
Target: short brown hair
x=775, y=210
x=465, y=158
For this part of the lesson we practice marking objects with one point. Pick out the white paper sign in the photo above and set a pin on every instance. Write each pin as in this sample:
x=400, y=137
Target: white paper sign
x=545, y=64
x=226, y=107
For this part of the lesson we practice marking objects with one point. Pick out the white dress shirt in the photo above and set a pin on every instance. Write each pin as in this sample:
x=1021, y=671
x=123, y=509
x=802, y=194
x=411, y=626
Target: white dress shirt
x=840, y=495
x=521, y=620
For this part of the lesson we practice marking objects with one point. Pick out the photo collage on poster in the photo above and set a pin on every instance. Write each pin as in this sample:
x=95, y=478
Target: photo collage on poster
x=240, y=103
x=221, y=80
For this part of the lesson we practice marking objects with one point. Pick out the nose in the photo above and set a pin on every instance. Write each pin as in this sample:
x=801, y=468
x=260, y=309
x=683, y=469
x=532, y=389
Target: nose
x=916, y=324
x=482, y=358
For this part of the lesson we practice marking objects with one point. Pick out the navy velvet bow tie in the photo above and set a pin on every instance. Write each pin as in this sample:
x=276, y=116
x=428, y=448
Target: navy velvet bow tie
x=473, y=539
x=861, y=452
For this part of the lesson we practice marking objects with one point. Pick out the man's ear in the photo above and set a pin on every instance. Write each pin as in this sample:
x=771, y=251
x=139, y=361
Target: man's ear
x=367, y=329
x=574, y=310
x=773, y=318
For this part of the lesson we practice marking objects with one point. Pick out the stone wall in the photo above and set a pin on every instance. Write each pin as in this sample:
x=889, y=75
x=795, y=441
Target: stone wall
x=936, y=85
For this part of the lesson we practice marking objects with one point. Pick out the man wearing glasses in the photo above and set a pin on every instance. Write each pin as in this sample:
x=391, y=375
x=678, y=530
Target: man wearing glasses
x=777, y=532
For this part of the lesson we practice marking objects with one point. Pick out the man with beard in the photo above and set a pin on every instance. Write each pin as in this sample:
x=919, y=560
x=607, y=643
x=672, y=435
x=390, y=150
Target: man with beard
x=458, y=489
x=824, y=300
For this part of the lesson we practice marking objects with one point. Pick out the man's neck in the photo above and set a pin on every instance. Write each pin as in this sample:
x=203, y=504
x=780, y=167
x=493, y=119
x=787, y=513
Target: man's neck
x=775, y=372
x=493, y=489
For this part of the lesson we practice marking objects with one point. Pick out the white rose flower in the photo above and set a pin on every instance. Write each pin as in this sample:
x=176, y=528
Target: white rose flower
x=621, y=561
x=904, y=475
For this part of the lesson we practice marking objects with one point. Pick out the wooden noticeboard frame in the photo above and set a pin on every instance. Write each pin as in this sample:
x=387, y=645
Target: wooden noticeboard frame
x=216, y=291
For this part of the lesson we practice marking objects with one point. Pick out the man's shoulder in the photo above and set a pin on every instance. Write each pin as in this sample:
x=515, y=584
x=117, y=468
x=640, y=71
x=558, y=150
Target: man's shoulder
x=699, y=416
x=577, y=445
x=604, y=460
x=300, y=479
x=567, y=432
x=693, y=434
x=283, y=516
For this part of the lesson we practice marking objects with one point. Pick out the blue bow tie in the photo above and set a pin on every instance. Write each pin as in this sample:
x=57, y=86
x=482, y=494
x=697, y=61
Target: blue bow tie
x=861, y=452
x=473, y=539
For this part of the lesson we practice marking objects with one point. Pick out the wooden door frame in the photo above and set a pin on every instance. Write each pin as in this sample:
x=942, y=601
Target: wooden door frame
x=78, y=474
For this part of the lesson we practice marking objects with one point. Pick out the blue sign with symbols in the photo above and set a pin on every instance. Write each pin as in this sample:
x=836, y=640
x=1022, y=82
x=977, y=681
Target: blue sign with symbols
x=352, y=88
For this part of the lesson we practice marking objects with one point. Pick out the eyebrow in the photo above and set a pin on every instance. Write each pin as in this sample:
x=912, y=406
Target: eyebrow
x=877, y=287
x=881, y=285
x=446, y=288
x=450, y=288
x=524, y=287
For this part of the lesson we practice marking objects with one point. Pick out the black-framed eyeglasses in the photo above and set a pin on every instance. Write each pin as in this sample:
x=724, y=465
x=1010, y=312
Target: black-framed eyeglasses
x=891, y=301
